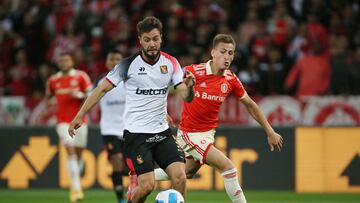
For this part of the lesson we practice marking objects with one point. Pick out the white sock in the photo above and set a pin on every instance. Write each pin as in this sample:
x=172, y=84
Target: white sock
x=232, y=186
x=74, y=172
x=160, y=174
x=81, y=165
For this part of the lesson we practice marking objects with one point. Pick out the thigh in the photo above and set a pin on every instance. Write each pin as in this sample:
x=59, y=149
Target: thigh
x=113, y=145
x=64, y=137
x=168, y=151
x=196, y=144
x=138, y=154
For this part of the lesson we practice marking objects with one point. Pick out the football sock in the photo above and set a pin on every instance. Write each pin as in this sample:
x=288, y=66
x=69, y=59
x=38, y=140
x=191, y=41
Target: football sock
x=232, y=186
x=118, y=184
x=160, y=174
x=81, y=165
x=74, y=172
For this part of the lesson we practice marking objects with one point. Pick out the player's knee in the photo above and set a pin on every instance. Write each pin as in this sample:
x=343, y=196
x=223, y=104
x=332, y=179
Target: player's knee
x=228, y=166
x=147, y=187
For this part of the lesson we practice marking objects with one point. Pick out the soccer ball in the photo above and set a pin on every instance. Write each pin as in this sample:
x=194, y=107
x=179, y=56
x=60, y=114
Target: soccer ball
x=169, y=196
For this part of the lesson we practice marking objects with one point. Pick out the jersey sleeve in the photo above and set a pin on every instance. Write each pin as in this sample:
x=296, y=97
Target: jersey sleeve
x=238, y=88
x=116, y=75
x=177, y=76
x=86, y=85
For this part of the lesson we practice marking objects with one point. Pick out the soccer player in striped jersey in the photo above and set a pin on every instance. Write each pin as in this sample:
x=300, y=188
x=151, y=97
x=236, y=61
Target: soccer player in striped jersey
x=214, y=82
x=70, y=87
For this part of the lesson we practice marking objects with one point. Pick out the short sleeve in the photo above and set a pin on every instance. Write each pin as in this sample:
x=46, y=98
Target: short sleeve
x=238, y=88
x=116, y=75
x=177, y=76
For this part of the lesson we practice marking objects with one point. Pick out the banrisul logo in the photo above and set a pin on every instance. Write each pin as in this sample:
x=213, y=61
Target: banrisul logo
x=151, y=91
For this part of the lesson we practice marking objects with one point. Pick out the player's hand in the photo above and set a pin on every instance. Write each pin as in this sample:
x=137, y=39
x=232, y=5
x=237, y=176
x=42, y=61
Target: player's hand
x=74, y=125
x=170, y=121
x=189, y=79
x=275, y=141
x=77, y=94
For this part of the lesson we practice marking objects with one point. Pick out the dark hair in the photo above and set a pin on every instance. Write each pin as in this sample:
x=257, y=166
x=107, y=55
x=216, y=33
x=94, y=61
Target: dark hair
x=223, y=38
x=148, y=24
x=114, y=51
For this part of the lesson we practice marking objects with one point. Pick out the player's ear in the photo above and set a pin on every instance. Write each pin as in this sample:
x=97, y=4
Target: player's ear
x=212, y=53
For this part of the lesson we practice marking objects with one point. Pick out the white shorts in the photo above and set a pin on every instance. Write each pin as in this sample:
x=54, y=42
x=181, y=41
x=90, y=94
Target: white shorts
x=80, y=139
x=196, y=144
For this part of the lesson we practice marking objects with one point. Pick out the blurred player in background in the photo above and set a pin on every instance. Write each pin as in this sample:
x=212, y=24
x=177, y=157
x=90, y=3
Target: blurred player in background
x=112, y=126
x=70, y=87
x=214, y=82
x=147, y=76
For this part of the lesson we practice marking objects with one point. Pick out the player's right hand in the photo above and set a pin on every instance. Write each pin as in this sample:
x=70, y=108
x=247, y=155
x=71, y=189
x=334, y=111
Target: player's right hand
x=189, y=79
x=275, y=141
x=74, y=125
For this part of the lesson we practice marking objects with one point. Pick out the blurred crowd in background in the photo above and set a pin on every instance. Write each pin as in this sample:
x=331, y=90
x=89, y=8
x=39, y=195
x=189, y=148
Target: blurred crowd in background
x=298, y=47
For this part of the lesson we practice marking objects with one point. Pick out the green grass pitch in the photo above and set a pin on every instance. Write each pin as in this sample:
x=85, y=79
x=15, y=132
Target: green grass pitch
x=107, y=196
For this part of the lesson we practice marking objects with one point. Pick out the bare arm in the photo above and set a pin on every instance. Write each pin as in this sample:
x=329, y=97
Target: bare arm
x=89, y=103
x=186, y=89
x=274, y=139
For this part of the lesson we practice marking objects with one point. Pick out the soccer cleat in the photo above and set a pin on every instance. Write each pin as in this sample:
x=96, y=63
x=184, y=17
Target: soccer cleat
x=76, y=196
x=133, y=182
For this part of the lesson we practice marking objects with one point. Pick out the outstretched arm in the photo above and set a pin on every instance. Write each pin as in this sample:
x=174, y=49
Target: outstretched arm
x=90, y=102
x=274, y=139
x=186, y=88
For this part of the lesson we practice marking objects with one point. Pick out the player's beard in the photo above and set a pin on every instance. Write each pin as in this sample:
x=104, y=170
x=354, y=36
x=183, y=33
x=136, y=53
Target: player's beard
x=151, y=57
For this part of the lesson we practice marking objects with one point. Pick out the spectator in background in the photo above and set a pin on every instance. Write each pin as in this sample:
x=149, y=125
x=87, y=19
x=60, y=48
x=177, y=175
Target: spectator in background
x=354, y=73
x=67, y=42
x=299, y=44
x=311, y=74
x=42, y=74
x=272, y=71
x=250, y=76
x=21, y=75
x=339, y=62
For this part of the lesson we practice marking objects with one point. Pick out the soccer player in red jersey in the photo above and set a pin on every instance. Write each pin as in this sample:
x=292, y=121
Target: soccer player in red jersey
x=70, y=87
x=214, y=82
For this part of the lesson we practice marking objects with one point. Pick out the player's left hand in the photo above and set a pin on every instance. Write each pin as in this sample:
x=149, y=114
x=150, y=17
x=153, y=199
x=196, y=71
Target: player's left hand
x=189, y=79
x=275, y=141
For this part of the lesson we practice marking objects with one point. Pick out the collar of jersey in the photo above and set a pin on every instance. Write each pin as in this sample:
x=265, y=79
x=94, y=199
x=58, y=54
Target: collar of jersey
x=148, y=62
x=208, y=69
x=72, y=72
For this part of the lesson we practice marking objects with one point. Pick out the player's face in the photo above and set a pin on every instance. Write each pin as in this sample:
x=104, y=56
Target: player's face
x=112, y=59
x=65, y=63
x=151, y=44
x=222, y=55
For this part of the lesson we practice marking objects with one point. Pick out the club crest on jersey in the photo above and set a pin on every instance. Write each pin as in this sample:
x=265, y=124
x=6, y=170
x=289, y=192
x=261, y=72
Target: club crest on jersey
x=224, y=87
x=139, y=159
x=163, y=69
x=73, y=82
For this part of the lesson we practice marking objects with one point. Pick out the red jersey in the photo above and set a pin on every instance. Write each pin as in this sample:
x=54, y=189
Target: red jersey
x=61, y=86
x=201, y=114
